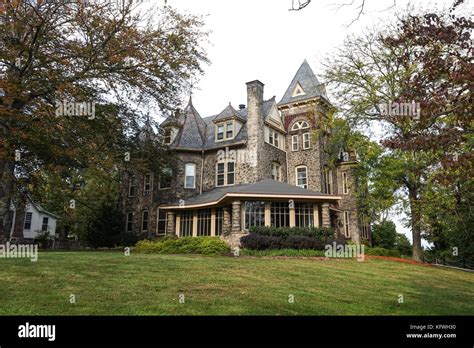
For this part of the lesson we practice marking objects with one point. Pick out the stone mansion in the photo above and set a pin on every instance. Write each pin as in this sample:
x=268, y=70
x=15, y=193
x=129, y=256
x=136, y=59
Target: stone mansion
x=260, y=164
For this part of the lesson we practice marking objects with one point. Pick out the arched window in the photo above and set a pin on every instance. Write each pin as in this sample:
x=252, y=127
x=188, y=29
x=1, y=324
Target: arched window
x=299, y=125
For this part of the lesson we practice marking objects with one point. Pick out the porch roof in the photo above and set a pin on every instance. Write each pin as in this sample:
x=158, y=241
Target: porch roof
x=265, y=189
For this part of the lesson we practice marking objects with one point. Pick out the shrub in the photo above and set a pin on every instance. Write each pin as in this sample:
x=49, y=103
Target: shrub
x=322, y=233
x=185, y=245
x=283, y=252
x=377, y=251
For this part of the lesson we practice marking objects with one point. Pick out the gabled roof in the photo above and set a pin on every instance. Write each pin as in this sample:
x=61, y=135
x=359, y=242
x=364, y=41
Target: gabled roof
x=306, y=79
x=267, y=188
x=227, y=113
x=34, y=204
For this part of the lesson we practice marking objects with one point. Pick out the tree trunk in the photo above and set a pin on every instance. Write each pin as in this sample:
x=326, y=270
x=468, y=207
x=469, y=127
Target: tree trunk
x=415, y=223
x=7, y=167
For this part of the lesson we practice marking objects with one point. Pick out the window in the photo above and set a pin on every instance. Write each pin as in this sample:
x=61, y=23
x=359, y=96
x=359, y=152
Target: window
x=347, y=233
x=225, y=131
x=345, y=187
x=44, y=226
x=225, y=173
x=276, y=170
x=306, y=141
x=295, y=143
x=186, y=224
x=145, y=218
x=302, y=177
x=190, y=175
x=132, y=186
x=304, y=216
x=162, y=222
x=204, y=222
x=129, y=223
x=147, y=184
x=229, y=133
x=254, y=214
x=220, y=132
x=328, y=181
x=219, y=221
x=165, y=178
x=299, y=125
x=28, y=217
x=280, y=214
x=273, y=137
x=167, y=136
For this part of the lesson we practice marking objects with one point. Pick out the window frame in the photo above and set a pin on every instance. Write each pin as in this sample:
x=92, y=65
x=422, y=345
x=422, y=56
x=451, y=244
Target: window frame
x=293, y=142
x=345, y=183
x=147, y=220
x=191, y=165
x=298, y=125
x=146, y=191
x=227, y=127
x=43, y=224
x=277, y=166
x=347, y=232
x=306, y=176
x=28, y=221
x=160, y=187
x=158, y=220
x=258, y=213
x=132, y=184
x=308, y=140
x=129, y=222
x=225, y=173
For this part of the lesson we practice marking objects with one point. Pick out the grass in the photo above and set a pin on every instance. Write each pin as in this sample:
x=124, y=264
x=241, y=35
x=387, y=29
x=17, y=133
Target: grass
x=109, y=283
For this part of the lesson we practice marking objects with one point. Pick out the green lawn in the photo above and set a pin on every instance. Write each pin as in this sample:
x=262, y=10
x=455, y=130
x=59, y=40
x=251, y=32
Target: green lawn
x=106, y=283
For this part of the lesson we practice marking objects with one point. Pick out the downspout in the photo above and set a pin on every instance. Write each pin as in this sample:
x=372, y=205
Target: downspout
x=202, y=171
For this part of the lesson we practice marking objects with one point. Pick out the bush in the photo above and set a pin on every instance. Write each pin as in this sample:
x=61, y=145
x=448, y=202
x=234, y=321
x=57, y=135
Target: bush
x=185, y=245
x=382, y=252
x=263, y=238
x=283, y=252
x=320, y=233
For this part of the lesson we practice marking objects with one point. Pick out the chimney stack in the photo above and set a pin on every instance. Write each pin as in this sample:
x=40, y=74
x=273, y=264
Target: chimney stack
x=255, y=124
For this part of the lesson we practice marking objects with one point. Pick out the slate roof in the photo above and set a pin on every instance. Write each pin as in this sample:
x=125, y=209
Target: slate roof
x=308, y=81
x=266, y=186
x=228, y=112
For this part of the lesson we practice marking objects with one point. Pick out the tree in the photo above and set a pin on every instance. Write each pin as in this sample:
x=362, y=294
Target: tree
x=73, y=79
x=384, y=234
x=372, y=71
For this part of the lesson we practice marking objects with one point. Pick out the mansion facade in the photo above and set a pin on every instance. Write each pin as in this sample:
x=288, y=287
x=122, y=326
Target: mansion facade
x=260, y=164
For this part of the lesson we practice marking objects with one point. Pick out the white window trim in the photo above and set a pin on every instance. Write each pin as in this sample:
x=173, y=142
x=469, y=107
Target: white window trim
x=226, y=172
x=148, y=220
x=347, y=232
x=224, y=136
x=145, y=193
x=304, y=141
x=158, y=222
x=276, y=136
x=296, y=176
x=185, y=176
x=300, y=125
x=278, y=170
x=293, y=137
x=345, y=183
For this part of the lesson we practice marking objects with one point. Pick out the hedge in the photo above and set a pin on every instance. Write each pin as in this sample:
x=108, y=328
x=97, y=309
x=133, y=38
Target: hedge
x=378, y=251
x=283, y=252
x=185, y=245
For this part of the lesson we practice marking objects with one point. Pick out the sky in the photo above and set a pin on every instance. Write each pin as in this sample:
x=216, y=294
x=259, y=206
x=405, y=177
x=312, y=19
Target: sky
x=262, y=39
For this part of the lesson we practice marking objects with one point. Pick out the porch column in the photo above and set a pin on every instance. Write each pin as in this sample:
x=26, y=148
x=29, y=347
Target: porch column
x=325, y=215
x=170, y=223
x=195, y=224
x=226, y=223
x=267, y=214
x=178, y=223
x=213, y=222
x=236, y=217
x=292, y=214
x=316, y=214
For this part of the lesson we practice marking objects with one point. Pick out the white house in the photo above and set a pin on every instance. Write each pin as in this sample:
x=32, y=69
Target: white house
x=30, y=222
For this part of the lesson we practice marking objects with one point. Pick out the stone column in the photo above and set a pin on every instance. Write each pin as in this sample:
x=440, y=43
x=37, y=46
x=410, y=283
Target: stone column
x=226, y=223
x=236, y=217
x=170, y=223
x=325, y=215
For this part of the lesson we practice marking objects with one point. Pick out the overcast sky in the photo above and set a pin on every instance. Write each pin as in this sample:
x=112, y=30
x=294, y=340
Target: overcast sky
x=261, y=39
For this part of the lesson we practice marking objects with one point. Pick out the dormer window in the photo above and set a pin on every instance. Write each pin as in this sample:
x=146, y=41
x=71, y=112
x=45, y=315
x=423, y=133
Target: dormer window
x=225, y=131
x=169, y=133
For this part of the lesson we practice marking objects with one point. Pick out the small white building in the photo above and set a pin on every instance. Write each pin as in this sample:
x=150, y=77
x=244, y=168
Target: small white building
x=31, y=221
